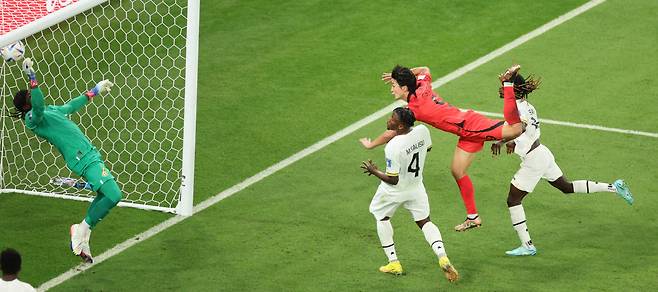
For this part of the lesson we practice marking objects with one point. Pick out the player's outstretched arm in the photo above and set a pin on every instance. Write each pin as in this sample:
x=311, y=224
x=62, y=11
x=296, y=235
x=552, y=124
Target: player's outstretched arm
x=381, y=140
x=77, y=103
x=101, y=88
x=28, y=68
x=420, y=70
x=36, y=96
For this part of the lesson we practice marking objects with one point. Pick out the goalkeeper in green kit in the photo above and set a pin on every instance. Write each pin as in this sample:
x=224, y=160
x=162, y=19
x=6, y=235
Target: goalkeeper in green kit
x=52, y=123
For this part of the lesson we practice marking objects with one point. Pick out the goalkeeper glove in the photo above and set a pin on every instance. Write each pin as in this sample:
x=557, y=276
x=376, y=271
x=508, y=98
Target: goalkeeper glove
x=28, y=68
x=100, y=88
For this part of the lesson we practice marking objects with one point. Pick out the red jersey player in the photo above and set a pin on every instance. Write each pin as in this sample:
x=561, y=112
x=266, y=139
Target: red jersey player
x=415, y=87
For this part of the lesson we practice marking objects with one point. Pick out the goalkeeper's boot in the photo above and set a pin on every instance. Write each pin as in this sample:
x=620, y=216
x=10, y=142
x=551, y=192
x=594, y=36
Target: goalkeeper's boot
x=393, y=267
x=77, y=239
x=86, y=249
x=623, y=191
x=448, y=269
x=469, y=224
x=86, y=253
x=522, y=251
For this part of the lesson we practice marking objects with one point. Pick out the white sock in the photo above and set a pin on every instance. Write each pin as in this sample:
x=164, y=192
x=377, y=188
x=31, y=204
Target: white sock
x=433, y=237
x=585, y=186
x=84, y=226
x=519, y=224
x=385, y=232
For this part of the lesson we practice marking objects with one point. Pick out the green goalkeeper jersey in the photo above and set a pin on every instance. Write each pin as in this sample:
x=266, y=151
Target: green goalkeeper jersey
x=52, y=123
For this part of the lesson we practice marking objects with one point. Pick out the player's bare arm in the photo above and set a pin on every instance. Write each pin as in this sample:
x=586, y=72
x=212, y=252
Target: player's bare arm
x=386, y=76
x=371, y=169
x=381, y=140
x=420, y=70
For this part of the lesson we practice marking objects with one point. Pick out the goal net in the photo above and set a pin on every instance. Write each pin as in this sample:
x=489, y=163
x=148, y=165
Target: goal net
x=144, y=128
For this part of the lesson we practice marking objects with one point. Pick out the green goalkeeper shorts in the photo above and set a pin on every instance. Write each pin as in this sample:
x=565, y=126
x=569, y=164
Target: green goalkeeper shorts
x=97, y=174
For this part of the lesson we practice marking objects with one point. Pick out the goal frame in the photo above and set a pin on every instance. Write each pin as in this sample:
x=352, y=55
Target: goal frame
x=184, y=206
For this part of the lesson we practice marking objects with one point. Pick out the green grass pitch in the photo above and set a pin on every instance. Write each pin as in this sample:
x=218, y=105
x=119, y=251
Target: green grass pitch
x=277, y=76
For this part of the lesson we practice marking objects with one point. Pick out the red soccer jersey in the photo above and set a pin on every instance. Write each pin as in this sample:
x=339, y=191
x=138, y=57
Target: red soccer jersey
x=429, y=107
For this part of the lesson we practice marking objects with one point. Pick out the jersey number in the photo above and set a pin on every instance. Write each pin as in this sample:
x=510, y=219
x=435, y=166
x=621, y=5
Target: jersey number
x=413, y=166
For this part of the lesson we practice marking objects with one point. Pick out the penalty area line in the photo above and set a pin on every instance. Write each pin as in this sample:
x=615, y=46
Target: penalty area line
x=311, y=149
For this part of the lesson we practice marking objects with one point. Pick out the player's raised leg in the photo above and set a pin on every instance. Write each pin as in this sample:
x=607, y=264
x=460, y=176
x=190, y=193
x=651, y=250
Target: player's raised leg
x=514, y=127
x=587, y=187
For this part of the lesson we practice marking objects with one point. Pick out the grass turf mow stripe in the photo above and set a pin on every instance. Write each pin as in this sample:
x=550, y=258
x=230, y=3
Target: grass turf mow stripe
x=335, y=137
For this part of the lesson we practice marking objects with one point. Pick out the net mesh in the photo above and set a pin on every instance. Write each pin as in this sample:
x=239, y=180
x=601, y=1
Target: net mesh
x=138, y=127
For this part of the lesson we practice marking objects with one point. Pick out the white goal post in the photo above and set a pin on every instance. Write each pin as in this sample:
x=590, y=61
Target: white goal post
x=144, y=129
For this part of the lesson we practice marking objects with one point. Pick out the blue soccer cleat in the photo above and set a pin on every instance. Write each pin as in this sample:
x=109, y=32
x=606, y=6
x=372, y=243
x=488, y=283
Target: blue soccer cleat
x=522, y=251
x=623, y=191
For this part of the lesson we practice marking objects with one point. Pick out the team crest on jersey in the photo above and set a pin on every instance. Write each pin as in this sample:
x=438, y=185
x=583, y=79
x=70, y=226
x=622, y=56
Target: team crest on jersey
x=388, y=162
x=104, y=172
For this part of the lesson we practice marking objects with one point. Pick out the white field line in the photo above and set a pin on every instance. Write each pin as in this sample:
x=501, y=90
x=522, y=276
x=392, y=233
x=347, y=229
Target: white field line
x=583, y=126
x=311, y=149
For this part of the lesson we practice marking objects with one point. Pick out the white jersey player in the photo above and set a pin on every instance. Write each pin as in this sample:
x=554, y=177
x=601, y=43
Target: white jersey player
x=537, y=162
x=402, y=185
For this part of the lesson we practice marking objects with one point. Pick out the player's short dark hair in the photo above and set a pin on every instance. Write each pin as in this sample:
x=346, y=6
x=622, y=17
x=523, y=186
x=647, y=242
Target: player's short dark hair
x=20, y=100
x=404, y=77
x=10, y=261
x=405, y=115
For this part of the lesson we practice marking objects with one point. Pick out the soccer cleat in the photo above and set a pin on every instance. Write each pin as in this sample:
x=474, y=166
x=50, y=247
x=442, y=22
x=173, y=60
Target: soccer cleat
x=468, y=224
x=448, y=269
x=86, y=253
x=77, y=239
x=394, y=268
x=622, y=190
x=86, y=249
x=522, y=251
x=509, y=73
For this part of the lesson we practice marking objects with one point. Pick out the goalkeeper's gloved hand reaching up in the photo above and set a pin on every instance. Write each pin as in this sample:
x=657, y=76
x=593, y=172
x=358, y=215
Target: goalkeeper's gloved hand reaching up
x=100, y=88
x=28, y=68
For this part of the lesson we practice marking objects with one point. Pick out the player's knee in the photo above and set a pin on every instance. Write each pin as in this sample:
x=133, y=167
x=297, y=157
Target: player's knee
x=111, y=190
x=565, y=188
x=517, y=129
x=513, y=201
x=457, y=173
x=513, y=131
x=422, y=222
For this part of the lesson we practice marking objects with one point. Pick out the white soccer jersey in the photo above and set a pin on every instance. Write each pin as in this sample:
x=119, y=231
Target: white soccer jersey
x=405, y=157
x=528, y=115
x=16, y=285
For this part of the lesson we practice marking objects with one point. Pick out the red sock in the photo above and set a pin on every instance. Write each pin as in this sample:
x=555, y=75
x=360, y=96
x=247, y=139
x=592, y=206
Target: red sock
x=468, y=194
x=510, y=112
